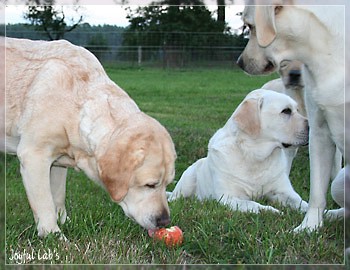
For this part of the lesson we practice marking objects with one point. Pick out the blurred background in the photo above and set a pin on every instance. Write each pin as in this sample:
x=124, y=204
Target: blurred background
x=167, y=33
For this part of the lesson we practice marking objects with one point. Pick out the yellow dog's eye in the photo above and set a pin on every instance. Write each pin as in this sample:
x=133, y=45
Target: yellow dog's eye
x=152, y=186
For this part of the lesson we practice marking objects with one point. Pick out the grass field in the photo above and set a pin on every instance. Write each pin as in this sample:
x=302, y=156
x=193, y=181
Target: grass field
x=192, y=105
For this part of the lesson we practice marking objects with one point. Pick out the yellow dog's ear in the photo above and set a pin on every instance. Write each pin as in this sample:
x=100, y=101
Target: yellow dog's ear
x=265, y=25
x=247, y=116
x=117, y=166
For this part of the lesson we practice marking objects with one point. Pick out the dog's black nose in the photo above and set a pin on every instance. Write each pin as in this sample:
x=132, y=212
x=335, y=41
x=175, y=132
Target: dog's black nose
x=163, y=219
x=294, y=76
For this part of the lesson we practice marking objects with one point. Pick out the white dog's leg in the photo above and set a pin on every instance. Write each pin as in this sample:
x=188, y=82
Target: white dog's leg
x=335, y=214
x=337, y=191
x=246, y=205
x=35, y=170
x=322, y=151
x=186, y=185
x=337, y=188
x=337, y=164
x=58, y=190
x=287, y=196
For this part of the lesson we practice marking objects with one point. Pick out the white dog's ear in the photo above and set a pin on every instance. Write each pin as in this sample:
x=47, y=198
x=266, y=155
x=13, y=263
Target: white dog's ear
x=265, y=24
x=247, y=116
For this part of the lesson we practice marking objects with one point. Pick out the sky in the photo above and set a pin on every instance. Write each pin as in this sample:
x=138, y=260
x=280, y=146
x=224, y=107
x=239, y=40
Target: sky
x=109, y=12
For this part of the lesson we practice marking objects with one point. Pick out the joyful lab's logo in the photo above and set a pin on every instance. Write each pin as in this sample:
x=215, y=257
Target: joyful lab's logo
x=41, y=256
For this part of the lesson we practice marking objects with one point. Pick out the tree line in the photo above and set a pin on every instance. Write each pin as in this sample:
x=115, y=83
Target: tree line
x=168, y=25
x=158, y=24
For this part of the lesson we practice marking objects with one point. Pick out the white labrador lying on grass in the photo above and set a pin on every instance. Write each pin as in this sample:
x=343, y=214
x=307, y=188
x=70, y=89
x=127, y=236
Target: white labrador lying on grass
x=246, y=158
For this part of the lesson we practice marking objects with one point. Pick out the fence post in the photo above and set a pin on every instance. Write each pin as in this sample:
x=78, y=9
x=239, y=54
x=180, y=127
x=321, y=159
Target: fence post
x=139, y=55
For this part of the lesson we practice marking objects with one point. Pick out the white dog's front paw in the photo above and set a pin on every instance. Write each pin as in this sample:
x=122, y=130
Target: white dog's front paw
x=44, y=230
x=270, y=208
x=304, y=206
x=312, y=221
x=334, y=214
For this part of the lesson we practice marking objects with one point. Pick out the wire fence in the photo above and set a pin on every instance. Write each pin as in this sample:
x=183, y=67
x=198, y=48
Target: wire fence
x=168, y=56
x=181, y=50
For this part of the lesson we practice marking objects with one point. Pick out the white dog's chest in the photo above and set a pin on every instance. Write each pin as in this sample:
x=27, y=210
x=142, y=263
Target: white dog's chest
x=327, y=87
x=258, y=184
x=245, y=179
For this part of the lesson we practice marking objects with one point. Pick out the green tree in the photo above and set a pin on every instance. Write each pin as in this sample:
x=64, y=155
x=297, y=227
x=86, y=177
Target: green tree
x=50, y=19
x=163, y=23
x=221, y=10
x=180, y=29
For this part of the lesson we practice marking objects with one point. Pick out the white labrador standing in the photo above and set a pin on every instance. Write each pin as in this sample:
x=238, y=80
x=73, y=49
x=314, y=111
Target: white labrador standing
x=313, y=35
x=245, y=158
x=291, y=84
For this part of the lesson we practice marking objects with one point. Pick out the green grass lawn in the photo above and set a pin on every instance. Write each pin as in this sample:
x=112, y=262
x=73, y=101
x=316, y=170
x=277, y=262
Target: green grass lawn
x=192, y=105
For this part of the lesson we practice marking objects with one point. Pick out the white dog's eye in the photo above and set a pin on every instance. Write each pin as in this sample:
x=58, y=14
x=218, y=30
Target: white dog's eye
x=287, y=111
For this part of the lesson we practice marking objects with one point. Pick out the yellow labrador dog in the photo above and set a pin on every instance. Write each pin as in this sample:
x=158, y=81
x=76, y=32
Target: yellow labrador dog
x=63, y=111
x=245, y=158
x=313, y=35
x=291, y=84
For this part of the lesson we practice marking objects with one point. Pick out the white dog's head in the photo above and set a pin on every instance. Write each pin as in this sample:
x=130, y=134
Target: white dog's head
x=272, y=117
x=278, y=33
